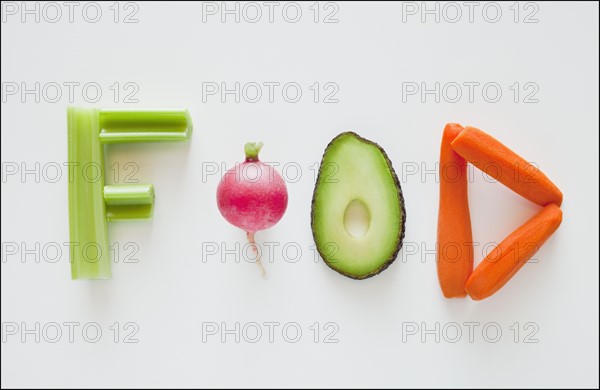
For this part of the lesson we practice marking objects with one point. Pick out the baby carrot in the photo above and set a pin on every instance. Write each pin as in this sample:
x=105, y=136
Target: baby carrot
x=504, y=165
x=513, y=252
x=455, y=247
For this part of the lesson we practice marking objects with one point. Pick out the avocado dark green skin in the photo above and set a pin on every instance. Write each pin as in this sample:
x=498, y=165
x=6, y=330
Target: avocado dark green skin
x=400, y=238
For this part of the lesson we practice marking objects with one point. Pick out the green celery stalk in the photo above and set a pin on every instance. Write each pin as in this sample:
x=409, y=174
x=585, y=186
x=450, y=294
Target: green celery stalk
x=119, y=126
x=89, y=248
x=91, y=203
x=127, y=202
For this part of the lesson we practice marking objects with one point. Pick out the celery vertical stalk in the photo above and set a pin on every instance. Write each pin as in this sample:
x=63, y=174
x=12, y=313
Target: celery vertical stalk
x=89, y=248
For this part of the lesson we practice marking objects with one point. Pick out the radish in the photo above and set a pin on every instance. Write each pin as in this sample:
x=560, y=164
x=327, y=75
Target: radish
x=252, y=196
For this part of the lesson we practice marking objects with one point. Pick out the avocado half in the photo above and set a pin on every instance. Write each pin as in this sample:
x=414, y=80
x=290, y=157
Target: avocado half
x=355, y=170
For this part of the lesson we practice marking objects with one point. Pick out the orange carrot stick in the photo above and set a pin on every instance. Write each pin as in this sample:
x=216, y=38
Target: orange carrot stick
x=455, y=246
x=504, y=165
x=513, y=252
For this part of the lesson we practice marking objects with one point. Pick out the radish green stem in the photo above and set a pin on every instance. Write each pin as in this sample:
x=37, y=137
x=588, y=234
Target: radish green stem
x=126, y=202
x=250, y=236
x=252, y=149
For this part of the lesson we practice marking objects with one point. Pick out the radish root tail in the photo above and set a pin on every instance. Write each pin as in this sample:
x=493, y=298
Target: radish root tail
x=255, y=250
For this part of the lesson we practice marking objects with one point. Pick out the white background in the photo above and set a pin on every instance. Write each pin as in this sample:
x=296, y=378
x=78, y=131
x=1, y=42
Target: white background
x=175, y=287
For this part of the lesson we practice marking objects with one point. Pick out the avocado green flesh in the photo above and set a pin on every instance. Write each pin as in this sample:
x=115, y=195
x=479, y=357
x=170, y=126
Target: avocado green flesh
x=352, y=169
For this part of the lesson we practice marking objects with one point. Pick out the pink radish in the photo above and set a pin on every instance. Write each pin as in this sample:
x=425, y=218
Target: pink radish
x=252, y=196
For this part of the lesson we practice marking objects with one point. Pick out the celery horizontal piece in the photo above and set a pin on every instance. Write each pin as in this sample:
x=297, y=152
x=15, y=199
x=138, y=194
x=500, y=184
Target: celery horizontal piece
x=120, y=126
x=128, y=202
